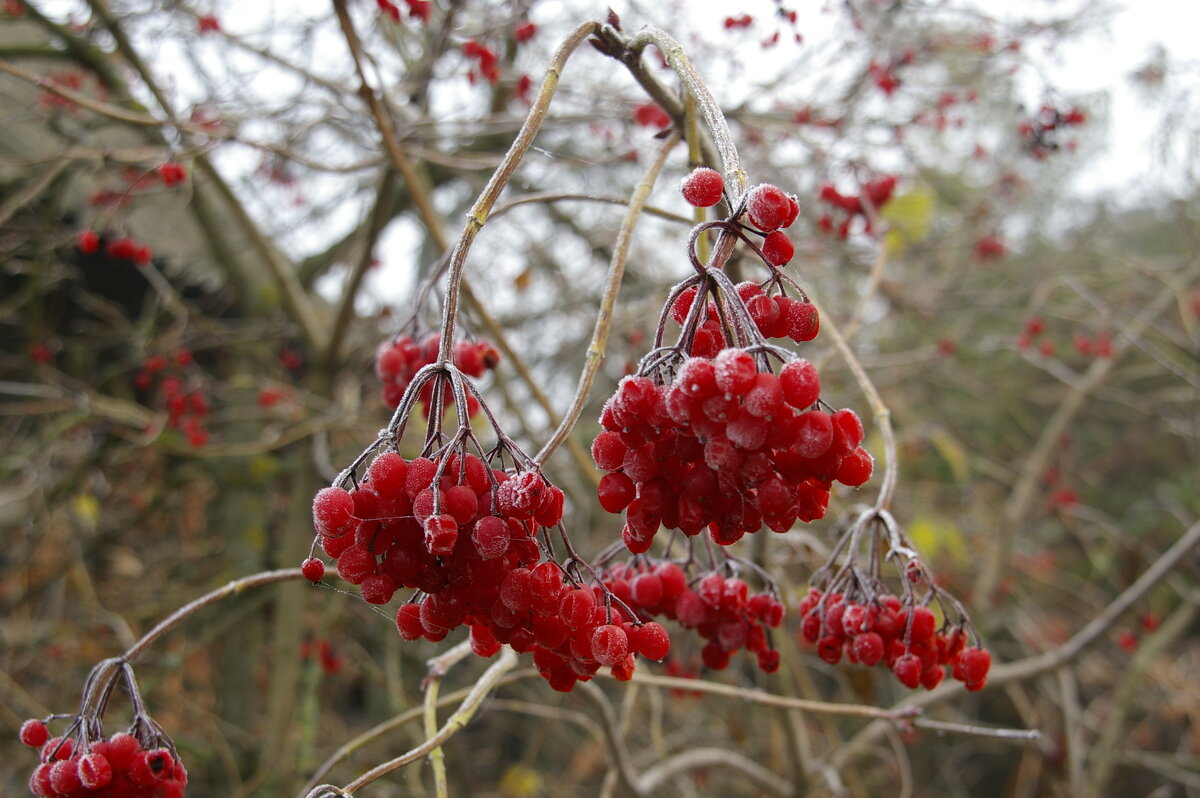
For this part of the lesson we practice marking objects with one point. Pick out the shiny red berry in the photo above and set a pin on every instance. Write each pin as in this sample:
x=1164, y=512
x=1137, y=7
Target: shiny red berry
x=702, y=188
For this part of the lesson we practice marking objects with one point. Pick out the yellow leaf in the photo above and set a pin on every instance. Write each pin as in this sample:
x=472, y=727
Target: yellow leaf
x=520, y=781
x=86, y=508
x=908, y=217
x=935, y=537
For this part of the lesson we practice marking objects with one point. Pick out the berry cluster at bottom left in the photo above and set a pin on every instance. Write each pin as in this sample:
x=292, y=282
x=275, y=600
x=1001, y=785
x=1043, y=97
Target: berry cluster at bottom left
x=119, y=767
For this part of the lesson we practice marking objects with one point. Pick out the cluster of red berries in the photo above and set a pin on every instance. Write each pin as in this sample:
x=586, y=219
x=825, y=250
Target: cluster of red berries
x=1098, y=345
x=172, y=173
x=417, y=9
x=399, y=529
x=124, y=248
x=767, y=207
x=720, y=609
x=725, y=446
x=778, y=316
x=186, y=409
x=207, y=23
x=470, y=547
x=1039, y=134
x=72, y=80
x=120, y=767
x=1034, y=327
x=740, y=21
x=905, y=639
x=573, y=630
x=874, y=195
x=488, y=64
x=398, y=360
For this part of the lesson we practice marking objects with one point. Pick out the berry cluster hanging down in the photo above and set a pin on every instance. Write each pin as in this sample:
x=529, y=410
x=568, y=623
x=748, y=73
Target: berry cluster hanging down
x=119, y=767
x=884, y=631
x=721, y=609
x=724, y=431
x=83, y=763
x=397, y=360
x=725, y=446
x=473, y=541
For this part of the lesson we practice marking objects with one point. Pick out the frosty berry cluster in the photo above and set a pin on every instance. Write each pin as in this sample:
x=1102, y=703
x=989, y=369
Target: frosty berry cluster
x=465, y=536
x=721, y=609
x=397, y=360
x=778, y=316
x=884, y=631
x=727, y=446
x=120, y=767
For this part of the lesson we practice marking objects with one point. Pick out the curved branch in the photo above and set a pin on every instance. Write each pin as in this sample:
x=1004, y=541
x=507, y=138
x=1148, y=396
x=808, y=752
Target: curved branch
x=701, y=758
x=456, y=722
x=616, y=270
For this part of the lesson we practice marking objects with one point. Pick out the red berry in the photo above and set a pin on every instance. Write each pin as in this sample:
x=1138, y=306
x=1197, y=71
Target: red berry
x=34, y=733
x=651, y=641
x=777, y=248
x=803, y=322
x=975, y=665
x=88, y=242
x=313, y=569
x=355, y=564
x=377, y=589
x=387, y=474
x=768, y=207
x=615, y=491
x=94, y=771
x=868, y=648
x=932, y=677
x=855, y=468
x=408, y=621
x=908, y=670
x=441, y=533
x=333, y=509
x=576, y=607
x=490, y=536
x=703, y=187
x=801, y=383
x=610, y=644
x=151, y=767
x=64, y=777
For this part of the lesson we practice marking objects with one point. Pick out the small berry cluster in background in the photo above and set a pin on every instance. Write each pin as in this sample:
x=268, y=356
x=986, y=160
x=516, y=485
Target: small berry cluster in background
x=187, y=408
x=1040, y=133
x=417, y=9
x=651, y=115
x=867, y=203
x=89, y=242
x=487, y=63
x=990, y=247
x=397, y=360
x=1099, y=345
